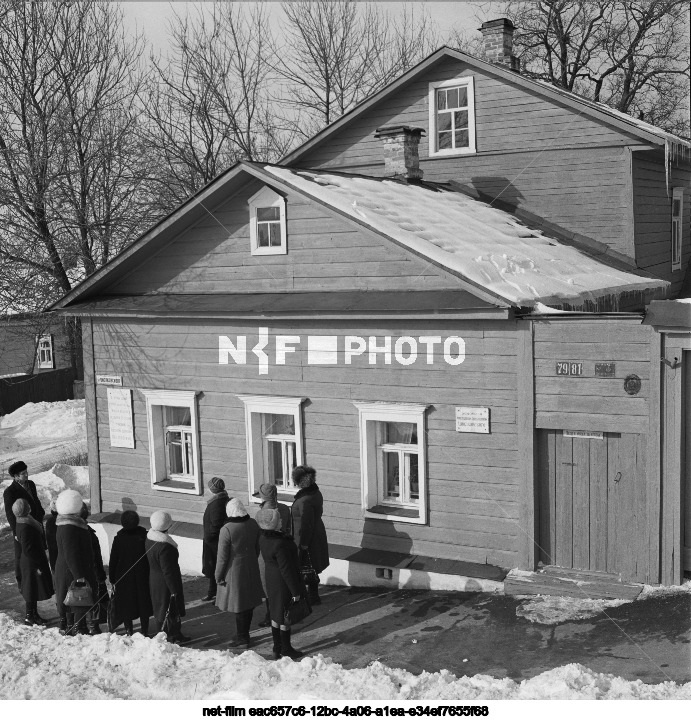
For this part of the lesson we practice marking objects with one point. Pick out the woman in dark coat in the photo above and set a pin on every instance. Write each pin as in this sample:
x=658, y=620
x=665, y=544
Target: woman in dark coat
x=214, y=520
x=75, y=560
x=101, y=597
x=308, y=528
x=282, y=575
x=36, y=584
x=51, y=540
x=237, y=570
x=165, y=578
x=128, y=569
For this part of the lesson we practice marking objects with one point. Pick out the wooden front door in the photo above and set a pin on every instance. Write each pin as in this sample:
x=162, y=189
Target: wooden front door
x=592, y=502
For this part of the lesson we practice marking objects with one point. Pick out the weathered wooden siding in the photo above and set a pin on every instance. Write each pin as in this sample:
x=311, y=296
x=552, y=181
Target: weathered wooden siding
x=325, y=252
x=473, y=483
x=652, y=206
x=532, y=153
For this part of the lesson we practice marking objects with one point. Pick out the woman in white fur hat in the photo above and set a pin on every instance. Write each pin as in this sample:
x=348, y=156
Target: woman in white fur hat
x=237, y=570
x=165, y=578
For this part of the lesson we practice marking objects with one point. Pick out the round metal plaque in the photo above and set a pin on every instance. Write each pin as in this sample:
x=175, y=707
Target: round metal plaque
x=632, y=384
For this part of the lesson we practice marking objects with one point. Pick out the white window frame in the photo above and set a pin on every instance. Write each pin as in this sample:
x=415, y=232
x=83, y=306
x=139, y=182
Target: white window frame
x=372, y=485
x=155, y=399
x=254, y=407
x=677, y=228
x=468, y=83
x=49, y=361
x=267, y=198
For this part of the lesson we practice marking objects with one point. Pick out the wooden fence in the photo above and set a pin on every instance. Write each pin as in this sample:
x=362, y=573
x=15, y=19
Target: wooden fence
x=57, y=385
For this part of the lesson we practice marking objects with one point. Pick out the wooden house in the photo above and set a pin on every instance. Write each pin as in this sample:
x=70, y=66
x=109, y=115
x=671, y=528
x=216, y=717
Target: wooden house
x=439, y=302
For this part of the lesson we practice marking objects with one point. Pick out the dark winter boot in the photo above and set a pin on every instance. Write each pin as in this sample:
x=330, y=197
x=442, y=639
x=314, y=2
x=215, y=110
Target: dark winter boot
x=211, y=593
x=62, y=628
x=129, y=627
x=243, y=621
x=144, y=626
x=70, y=629
x=29, y=615
x=267, y=617
x=287, y=648
x=37, y=619
x=276, y=633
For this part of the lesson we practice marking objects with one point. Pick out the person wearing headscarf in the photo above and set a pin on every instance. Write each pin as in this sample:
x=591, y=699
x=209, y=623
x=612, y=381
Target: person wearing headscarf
x=165, y=578
x=308, y=528
x=237, y=570
x=128, y=569
x=36, y=582
x=268, y=493
x=74, y=562
x=213, y=521
x=282, y=575
x=100, y=573
x=51, y=540
x=21, y=487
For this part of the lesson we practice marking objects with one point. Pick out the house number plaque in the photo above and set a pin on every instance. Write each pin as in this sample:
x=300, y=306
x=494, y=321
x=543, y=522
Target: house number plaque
x=567, y=368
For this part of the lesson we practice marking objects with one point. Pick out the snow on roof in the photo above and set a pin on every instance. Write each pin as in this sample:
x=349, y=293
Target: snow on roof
x=486, y=245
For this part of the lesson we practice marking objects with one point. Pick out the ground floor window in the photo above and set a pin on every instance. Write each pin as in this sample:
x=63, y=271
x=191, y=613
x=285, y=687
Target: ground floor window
x=173, y=440
x=392, y=459
x=274, y=443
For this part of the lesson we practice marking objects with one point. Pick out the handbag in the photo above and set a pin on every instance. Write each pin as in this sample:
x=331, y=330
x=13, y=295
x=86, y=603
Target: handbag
x=99, y=613
x=297, y=611
x=172, y=623
x=79, y=594
x=307, y=573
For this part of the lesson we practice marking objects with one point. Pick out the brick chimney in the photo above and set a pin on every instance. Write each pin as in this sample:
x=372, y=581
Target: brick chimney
x=497, y=38
x=401, y=158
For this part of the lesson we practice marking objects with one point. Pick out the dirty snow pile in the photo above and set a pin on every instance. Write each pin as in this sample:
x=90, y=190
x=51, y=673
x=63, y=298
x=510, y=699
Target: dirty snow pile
x=37, y=663
x=551, y=610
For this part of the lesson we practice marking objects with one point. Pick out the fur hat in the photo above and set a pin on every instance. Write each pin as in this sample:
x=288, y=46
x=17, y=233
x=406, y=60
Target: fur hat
x=129, y=519
x=304, y=476
x=160, y=521
x=69, y=502
x=268, y=518
x=235, y=508
x=216, y=485
x=16, y=468
x=21, y=508
x=268, y=493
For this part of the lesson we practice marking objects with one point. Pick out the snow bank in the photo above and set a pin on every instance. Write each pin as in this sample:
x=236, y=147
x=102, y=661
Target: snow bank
x=38, y=663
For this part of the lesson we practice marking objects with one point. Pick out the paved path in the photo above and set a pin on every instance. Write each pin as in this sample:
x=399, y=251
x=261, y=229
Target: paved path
x=466, y=633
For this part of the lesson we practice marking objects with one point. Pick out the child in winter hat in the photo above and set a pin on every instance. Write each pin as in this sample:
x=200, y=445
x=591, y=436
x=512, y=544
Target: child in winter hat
x=235, y=508
x=69, y=503
x=160, y=521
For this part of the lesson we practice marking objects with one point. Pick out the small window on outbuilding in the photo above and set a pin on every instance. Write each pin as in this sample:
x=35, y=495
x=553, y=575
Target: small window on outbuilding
x=451, y=117
x=268, y=223
x=44, y=352
x=677, y=226
x=173, y=440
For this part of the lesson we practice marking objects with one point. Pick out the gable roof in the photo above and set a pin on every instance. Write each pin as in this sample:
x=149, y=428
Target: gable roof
x=589, y=108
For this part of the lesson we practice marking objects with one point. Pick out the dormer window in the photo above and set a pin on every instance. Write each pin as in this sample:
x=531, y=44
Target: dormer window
x=451, y=117
x=268, y=223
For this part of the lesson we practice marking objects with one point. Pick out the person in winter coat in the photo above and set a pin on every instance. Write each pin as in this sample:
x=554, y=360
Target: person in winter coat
x=21, y=487
x=165, y=579
x=51, y=540
x=101, y=597
x=269, y=497
x=128, y=569
x=308, y=528
x=214, y=520
x=75, y=560
x=36, y=584
x=237, y=570
x=283, y=582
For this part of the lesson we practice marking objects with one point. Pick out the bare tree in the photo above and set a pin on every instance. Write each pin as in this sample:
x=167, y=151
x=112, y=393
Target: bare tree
x=631, y=54
x=69, y=171
x=338, y=52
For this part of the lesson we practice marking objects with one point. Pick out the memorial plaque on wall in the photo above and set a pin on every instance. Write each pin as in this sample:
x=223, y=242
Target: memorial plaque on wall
x=472, y=420
x=120, y=419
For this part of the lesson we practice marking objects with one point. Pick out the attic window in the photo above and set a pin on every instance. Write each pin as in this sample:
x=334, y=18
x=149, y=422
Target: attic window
x=451, y=117
x=268, y=223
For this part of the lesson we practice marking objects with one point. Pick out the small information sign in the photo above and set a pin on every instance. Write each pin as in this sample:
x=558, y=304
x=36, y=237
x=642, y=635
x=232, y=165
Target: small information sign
x=109, y=380
x=472, y=420
x=605, y=370
x=120, y=417
x=568, y=368
x=599, y=435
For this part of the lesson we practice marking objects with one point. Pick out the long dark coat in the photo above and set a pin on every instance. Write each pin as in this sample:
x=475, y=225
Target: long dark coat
x=237, y=565
x=128, y=570
x=214, y=519
x=75, y=560
x=36, y=583
x=165, y=578
x=14, y=491
x=99, y=570
x=282, y=572
x=308, y=527
x=51, y=539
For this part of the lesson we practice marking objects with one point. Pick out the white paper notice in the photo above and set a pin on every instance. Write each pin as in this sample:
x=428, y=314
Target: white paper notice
x=472, y=420
x=120, y=417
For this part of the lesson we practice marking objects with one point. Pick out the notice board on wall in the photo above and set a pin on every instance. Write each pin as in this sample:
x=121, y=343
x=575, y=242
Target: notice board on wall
x=120, y=419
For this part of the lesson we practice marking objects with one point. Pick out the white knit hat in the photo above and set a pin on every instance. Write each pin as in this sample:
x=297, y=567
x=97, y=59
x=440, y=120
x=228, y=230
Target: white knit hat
x=69, y=502
x=160, y=521
x=268, y=519
x=235, y=508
